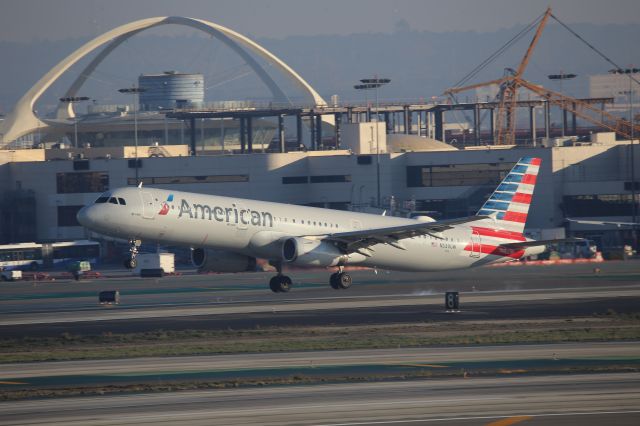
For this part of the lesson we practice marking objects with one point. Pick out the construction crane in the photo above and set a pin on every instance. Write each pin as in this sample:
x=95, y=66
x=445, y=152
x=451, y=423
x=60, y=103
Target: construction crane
x=505, y=126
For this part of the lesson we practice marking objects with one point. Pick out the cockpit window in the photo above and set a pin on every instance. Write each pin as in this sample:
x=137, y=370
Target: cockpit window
x=122, y=202
x=102, y=200
x=113, y=200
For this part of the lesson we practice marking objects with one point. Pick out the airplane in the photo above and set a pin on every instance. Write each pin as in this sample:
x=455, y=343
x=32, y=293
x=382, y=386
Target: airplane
x=228, y=234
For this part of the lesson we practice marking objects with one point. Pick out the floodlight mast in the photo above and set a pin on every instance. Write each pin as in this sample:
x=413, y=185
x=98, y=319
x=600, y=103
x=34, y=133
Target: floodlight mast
x=368, y=84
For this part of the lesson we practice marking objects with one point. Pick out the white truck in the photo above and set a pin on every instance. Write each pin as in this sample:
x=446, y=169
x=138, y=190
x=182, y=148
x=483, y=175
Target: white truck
x=155, y=262
x=13, y=275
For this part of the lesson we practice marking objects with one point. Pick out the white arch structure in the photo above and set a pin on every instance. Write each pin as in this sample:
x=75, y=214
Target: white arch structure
x=22, y=120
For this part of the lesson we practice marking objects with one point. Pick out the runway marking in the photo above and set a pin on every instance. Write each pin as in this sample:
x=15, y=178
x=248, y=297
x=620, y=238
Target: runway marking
x=12, y=383
x=510, y=421
x=424, y=365
x=455, y=419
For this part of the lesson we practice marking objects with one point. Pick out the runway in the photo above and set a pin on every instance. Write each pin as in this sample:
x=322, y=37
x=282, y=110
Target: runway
x=546, y=400
x=242, y=301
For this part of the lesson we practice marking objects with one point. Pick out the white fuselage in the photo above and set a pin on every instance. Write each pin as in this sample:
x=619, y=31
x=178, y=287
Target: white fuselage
x=248, y=226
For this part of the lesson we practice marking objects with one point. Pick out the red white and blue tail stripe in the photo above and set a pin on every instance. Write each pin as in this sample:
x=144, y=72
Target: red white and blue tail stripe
x=509, y=203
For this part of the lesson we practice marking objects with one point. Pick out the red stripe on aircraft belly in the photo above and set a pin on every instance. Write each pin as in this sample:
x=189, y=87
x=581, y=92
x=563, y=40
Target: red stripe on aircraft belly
x=519, y=197
x=507, y=235
x=496, y=250
x=515, y=217
x=529, y=179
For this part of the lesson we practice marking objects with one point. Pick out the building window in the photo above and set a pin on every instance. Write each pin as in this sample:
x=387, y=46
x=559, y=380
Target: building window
x=80, y=182
x=457, y=174
x=295, y=179
x=67, y=215
x=172, y=180
x=597, y=205
x=364, y=160
x=330, y=179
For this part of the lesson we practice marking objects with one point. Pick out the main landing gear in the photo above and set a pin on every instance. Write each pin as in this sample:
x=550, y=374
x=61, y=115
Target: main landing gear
x=131, y=262
x=340, y=280
x=280, y=283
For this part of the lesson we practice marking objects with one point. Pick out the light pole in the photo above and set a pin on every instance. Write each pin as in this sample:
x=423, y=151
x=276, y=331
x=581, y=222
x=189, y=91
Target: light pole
x=368, y=84
x=629, y=93
x=134, y=91
x=74, y=100
x=560, y=77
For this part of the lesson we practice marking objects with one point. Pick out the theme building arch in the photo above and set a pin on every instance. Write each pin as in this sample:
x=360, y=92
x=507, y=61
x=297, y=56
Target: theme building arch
x=22, y=119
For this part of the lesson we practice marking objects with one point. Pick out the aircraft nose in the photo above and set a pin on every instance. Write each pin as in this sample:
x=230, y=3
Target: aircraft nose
x=86, y=216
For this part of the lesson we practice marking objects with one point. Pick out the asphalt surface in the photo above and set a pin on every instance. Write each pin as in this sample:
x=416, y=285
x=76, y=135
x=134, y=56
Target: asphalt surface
x=242, y=300
x=543, y=400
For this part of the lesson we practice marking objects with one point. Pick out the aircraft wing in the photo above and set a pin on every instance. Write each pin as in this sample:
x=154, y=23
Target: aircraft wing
x=525, y=244
x=354, y=241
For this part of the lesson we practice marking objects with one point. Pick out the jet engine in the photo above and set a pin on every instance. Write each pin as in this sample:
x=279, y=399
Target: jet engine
x=308, y=252
x=210, y=260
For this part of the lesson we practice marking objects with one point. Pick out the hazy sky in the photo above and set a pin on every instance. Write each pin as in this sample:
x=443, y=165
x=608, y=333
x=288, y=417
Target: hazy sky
x=30, y=20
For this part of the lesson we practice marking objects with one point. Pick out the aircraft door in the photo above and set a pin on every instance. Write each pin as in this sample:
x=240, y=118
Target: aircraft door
x=148, y=206
x=476, y=245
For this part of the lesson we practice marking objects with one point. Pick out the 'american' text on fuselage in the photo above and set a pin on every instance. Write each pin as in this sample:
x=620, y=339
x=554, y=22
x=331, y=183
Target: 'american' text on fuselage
x=226, y=214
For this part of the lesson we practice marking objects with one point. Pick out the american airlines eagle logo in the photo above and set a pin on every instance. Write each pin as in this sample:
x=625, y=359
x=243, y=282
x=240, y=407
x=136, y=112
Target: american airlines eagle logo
x=165, y=206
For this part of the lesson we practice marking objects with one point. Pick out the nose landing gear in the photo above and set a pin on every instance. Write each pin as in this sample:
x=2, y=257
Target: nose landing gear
x=131, y=262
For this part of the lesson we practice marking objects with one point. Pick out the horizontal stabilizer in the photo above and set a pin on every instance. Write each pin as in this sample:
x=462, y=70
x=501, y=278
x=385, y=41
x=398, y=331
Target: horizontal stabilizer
x=525, y=244
x=603, y=222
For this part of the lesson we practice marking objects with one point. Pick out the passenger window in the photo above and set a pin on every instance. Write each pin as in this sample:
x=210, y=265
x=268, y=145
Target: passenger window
x=112, y=200
x=122, y=202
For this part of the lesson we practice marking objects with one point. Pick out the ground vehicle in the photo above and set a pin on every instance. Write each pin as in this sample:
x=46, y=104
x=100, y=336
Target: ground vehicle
x=13, y=275
x=36, y=255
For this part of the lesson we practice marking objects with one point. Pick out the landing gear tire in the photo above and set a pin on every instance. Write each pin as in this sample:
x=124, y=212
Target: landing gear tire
x=344, y=280
x=280, y=284
x=130, y=263
x=340, y=280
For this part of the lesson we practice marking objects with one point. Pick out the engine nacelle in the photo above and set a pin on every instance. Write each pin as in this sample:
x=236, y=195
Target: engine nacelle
x=308, y=252
x=535, y=250
x=210, y=260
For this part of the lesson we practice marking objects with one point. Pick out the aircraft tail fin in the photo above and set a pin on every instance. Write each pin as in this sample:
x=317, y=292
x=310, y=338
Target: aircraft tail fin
x=508, y=206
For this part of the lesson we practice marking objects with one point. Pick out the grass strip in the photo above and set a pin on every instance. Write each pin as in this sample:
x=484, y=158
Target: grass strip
x=168, y=386
x=288, y=339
